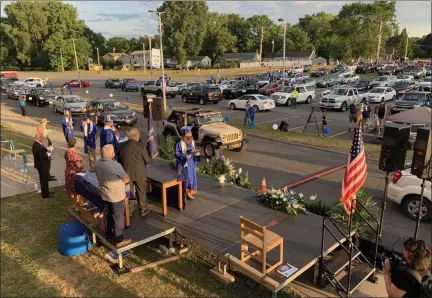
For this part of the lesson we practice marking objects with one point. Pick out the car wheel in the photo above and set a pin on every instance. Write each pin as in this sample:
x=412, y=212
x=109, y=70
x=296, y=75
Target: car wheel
x=122, y=89
x=184, y=99
x=202, y=101
x=143, y=92
x=232, y=106
x=173, y=96
x=411, y=205
x=309, y=99
x=364, y=101
x=383, y=99
x=394, y=97
x=326, y=85
x=343, y=107
x=54, y=109
x=209, y=150
x=215, y=102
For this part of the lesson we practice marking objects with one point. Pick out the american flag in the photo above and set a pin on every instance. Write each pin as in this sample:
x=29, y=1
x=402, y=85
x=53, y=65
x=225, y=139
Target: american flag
x=355, y=173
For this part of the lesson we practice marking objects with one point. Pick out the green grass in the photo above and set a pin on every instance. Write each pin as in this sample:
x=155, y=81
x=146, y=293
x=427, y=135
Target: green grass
x=20, y=140
x=31, y=265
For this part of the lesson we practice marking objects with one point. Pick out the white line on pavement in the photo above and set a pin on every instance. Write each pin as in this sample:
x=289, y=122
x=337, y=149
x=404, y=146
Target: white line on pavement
x=306, y=125
x=338, y=134
x=277, y=119
x=7, y=184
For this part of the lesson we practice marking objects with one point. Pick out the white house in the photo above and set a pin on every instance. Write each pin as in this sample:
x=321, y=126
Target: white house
x=198, y=61
x=319, y=61
x=124, y=58
x=137, y=58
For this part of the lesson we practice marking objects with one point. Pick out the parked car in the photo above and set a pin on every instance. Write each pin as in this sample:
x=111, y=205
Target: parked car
x=405, y=190
x=40, y=96
x=319, y=72
x=209, y=130
x=340, y=98
x=377, y=94
x=4, y=82
x=363, y=86
x=402, y=87
x=30, y=82
x=327, y=82
x=76, y=84
x=112, y=83
x=186, y=86
x=365, y=68
x=74, y=103
x=304, y=81
x=203, y=94
x=270, y=89
x=240, y=88
x=129, y=84
x=339, y=68
x=428, y=70
x=411, y=100
x=305, y=95
x=426, y=84
x=384, y=81
x=15, y=91
x=349, y=78
x=259, y=102
x=227, y=84
x=307, y=68
x=155, y=87
x=119, y=112
x=404, y=77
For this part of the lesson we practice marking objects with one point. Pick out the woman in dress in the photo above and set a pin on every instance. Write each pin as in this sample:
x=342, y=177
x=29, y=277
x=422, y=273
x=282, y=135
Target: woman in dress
x=74, y=165
x=382, y=112
x=68, y=125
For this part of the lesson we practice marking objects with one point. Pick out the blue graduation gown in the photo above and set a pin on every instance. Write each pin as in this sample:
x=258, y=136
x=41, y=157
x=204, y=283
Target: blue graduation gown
x=251, y=112
x=107, y=136
x=68, y=130
x=90, y=139
x=186, y=168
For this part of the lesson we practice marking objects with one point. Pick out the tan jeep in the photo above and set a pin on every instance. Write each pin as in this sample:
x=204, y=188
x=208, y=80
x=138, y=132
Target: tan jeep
x=209, y=130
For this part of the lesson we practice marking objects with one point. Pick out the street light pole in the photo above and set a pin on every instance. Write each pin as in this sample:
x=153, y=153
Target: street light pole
x=144, y=60
x=76, y=62
x=150, y=52
x=61, y=59
x=284, y=42
x=159, y=13
x=406, y=46
x=97, y=50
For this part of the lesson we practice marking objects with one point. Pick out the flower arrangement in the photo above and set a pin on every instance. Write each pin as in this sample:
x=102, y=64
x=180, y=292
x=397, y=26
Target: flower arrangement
x=217, y=166
x=242, y=181
x=284, y=200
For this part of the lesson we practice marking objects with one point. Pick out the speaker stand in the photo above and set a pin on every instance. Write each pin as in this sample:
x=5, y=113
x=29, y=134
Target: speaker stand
x=419, y=209
x=383, y=205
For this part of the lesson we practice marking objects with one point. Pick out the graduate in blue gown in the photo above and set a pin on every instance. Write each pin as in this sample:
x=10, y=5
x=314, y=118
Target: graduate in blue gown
x=251, y=113
x=107, y=135
x=187, y=157
x=90, y=132
x=68, y=125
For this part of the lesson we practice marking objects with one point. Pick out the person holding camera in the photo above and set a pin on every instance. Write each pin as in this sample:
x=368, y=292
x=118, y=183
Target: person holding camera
x=404, y=280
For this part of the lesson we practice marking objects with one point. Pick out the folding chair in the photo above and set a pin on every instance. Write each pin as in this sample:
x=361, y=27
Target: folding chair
x=25, y=169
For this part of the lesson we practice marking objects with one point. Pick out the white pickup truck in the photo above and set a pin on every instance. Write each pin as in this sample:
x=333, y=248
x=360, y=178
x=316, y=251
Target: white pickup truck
x=305, y=95
x=340, y=98
x=155, y=87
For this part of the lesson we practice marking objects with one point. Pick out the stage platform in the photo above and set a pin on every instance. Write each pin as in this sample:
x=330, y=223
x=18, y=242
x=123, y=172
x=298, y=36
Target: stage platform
x=212, y=220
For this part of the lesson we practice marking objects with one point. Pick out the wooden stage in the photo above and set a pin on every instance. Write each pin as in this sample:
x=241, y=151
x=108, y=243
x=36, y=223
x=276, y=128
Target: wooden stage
x=212, y=220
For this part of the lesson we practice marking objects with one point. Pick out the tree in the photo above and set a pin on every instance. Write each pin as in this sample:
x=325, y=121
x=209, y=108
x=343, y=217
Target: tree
x=118, y=45
x=256, y=22
x=240, y=29
x=297, y=39
x=184, y=28
x=96, y=40
x=219, y=39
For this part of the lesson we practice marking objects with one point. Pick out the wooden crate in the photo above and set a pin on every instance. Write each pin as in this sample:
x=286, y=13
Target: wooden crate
x=101, y=222
x=89, y=213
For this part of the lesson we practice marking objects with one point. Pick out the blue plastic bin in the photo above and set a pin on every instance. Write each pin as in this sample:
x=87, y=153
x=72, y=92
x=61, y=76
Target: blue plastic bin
x=73, y=239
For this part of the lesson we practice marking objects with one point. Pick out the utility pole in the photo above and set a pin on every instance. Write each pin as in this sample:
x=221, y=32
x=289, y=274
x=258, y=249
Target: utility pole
x=76, y=61
x=61, y=59
x=97, y=50
x=144, y=60
x=151, y=58
x=273, y=46
x=284, y=42
x=406, y=47
x=159, y=13
x=261, y=42
x=379, y=44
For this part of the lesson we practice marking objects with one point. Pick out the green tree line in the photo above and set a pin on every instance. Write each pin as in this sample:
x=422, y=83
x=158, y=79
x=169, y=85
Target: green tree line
x=33, y=34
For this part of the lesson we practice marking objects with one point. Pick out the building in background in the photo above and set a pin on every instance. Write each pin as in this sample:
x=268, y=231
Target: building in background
x=240, y=57
x=137, y=59
x=114, y=57
x=197, y=61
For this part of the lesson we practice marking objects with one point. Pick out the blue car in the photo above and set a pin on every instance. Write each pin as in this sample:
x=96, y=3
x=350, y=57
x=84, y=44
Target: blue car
x=129, y=84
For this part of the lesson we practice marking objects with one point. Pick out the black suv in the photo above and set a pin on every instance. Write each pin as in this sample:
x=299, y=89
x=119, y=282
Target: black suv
x=365, y=68
x=411, y=100
x=203, y=94
x=40, y=96
x=112, y=83
x=240, y=88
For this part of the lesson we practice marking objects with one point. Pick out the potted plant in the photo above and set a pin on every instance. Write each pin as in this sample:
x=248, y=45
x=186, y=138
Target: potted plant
x=218, y=167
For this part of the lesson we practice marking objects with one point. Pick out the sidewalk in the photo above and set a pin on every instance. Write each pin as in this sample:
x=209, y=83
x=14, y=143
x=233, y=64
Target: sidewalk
x=13, y=181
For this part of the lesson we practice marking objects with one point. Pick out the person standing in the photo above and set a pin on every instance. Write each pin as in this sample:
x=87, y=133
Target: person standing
x=112, y=181
x=91, y=114
x=43, y=130
x=74, y=165
x=68, y=125
x=382, y=112
x=353, y=116
x=187, y=157
x=90, y=132
x=133, y=157
x=294, y=96
x=246, y=121
x=41, y=156
x=251, y=114
x=324, y=122
x=107, y=135
x=22, y=104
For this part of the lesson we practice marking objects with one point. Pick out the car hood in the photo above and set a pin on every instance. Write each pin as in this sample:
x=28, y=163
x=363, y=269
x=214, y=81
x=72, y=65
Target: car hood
x=76, y=105
x=219, y=128
x=408, y=102
x=120, y=113
x=282, y=93
x=425, y=83
x=375, y=94
x=116, y=83
x=334, y=96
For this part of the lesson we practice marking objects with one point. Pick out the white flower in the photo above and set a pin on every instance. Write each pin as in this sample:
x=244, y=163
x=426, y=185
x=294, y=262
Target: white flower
x=281, y=195
x=278, y=202
x=208, y=160
x=284, y=199
x=240, y=171
x=274, y=196
x=285, y=189
x=291, y=192
x=300, y=195
x=295, y=206
x=312, y=198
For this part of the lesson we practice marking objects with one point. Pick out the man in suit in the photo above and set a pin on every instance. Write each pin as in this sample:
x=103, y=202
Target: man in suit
x=42, y=129
x=133, y=156
x=41, y=155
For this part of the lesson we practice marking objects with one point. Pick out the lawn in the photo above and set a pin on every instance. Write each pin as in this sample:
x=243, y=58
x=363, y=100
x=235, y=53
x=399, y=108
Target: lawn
x=20, y=140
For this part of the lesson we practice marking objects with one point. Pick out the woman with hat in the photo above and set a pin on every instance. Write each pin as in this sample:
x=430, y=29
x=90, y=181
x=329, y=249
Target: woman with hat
x=90, y=130
x=67, y=124
x=187, y=157
x=42, y=130
x=107, y=134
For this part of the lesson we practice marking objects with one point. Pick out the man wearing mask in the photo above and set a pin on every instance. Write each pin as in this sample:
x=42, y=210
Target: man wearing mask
x=107, y=135
x=90, y=131
x=41, y=155
x=133, y=156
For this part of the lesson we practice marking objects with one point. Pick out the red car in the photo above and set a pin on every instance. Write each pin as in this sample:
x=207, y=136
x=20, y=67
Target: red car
x=75, y=83
x=269, y=89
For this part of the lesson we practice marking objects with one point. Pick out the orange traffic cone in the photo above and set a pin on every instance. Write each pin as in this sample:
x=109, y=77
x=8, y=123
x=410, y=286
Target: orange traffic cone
x=263, y=184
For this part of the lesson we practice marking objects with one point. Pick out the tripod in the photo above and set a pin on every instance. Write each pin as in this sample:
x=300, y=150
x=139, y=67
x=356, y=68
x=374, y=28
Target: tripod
x=312, y=122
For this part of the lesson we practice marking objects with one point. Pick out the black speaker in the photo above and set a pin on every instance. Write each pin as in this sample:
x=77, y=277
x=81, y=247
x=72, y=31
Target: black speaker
x=145, y=106
x=422, y=153
x=157, y=109
x=394, y=147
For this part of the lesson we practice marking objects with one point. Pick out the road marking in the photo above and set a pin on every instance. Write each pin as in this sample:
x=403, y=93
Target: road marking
x=7, y=184
x=306, y=125
x=338, y=134
x=277, y=119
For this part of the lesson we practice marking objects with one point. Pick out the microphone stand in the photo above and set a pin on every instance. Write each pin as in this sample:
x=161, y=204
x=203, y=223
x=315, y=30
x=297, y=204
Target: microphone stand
x=419, y=209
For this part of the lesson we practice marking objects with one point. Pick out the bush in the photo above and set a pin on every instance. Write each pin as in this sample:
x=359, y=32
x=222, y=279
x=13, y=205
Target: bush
x=242, y=181
x=217, y=166
x=318, y=207
x=167, y=149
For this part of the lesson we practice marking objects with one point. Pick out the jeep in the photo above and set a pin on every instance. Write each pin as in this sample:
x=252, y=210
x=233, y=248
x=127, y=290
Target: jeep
x=209, y=130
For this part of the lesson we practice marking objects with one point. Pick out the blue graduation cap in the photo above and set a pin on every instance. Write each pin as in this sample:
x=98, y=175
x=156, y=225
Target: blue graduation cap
x=227, y=118
x=187, y=129
x=170, y=106
x=128, y=97
x=85, y=118
x=107, y=118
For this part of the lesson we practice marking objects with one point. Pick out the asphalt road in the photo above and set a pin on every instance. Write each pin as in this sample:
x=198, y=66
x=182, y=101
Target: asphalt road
x=279, y=162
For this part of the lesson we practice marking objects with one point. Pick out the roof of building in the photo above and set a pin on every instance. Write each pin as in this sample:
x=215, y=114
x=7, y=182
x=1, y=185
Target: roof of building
x=240, y=56
x=291, y=54
x=197, y=58
x=141, y=52
x=116, y=54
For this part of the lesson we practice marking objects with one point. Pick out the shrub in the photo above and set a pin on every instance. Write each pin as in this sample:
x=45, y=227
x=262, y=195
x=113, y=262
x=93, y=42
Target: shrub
x=242, y=181
x=283, y=200
x=167, y=149
x=318, y=207
x=217, y=166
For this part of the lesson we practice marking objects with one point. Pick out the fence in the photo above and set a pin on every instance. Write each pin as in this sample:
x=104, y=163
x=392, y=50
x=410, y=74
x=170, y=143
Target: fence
x=276, y=63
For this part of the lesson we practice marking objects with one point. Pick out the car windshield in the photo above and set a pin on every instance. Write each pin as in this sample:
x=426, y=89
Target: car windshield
x=339, y=91
x=414, y=96
x=116, y=80
x=363, y=82
x=377, y=90
x=260, y=97
x=74, y=99
x=270, y=86
x=288, y=89
x=115, y=106
x=129, y=80
x=401, y=84
x=428, y=79
x=210, y=118
x=402, y=77
x=382, y=79
x=171, y=84
x=347, y=76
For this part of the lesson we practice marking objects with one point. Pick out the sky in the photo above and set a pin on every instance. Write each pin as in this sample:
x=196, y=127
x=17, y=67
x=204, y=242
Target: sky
x=132, y=19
